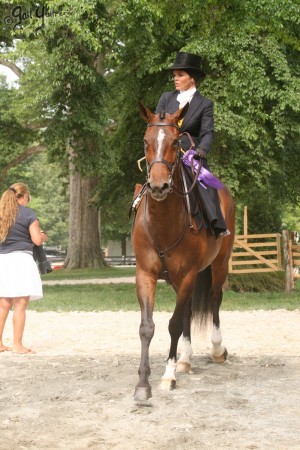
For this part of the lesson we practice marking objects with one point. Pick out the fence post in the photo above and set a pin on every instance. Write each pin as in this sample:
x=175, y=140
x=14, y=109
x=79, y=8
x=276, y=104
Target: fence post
x=287, y=262
x=279, y=260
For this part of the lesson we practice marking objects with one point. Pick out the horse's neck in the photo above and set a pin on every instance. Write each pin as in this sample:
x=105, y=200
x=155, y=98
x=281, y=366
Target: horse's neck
x=167, y=217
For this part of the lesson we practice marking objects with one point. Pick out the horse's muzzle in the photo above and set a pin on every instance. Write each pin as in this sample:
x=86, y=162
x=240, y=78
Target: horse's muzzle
x=158, y=191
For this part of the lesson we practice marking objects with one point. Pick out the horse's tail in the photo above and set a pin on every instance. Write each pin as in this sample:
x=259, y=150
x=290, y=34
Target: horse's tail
x=201, y=302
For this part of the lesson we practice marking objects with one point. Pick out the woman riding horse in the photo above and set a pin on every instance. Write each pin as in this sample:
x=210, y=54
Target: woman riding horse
x=168, y=247
x=197, y=129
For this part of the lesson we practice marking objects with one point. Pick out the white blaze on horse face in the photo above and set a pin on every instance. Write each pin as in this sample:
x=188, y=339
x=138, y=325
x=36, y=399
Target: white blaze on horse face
x=160, y=138
x=216, y=339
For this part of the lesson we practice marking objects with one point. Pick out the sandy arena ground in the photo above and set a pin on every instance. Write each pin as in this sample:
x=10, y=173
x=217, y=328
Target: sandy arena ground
x=76, y=392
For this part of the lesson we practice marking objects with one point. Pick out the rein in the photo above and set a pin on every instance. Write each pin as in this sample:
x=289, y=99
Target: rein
x=186, y=192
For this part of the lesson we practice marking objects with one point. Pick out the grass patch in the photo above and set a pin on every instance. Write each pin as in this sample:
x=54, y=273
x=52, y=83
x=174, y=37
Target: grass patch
x=268, y=301
x=116, y=297
x=89, y=297
x=252, y=282
x=88, y=274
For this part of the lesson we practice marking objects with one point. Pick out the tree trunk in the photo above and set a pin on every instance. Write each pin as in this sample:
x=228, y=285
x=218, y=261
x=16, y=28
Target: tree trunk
x=84, y=249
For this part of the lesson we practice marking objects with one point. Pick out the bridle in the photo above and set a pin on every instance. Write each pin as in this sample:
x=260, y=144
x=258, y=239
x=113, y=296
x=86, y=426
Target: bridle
x=170, y=166
x=179, y=192
x=173, y=166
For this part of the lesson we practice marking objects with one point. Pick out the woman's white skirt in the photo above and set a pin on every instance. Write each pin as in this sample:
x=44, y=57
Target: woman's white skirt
x=19, y=276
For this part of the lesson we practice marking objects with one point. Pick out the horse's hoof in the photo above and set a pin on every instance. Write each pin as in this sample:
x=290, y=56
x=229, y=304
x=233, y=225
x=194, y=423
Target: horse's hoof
x=142, y=393
x=167, y=385
x=220, y=359
x=183, y=367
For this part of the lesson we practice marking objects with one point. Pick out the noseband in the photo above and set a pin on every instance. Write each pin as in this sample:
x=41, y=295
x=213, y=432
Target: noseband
x=170, y=166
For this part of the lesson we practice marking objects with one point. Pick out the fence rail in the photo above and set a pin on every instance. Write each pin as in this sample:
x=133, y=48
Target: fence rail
x=254, y=253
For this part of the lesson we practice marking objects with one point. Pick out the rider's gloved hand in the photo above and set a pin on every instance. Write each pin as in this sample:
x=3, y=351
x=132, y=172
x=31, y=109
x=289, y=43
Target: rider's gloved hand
x=200, y=154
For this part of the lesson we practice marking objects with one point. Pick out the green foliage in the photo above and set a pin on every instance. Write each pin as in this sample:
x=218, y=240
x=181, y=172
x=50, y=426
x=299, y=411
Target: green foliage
x=13, y=136
x=85, y=71
x=291, y=218
x=257, y=282
x=251, y=58
x=60, y=99
x=62, y=90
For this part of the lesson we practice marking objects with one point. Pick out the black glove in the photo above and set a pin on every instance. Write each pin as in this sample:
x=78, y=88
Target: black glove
x=200, y=153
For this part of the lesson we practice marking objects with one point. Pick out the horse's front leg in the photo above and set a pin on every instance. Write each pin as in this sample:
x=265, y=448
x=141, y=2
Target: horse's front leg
x=145, y=292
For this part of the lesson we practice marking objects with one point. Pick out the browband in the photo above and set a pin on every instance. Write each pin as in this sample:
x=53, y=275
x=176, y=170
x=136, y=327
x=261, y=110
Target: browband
x=162, y=124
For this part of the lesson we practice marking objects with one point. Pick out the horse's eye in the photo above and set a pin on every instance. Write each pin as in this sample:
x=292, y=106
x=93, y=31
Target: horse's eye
x=176, y=143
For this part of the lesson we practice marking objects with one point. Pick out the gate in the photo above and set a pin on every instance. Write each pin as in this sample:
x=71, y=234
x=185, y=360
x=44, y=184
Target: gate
x=254, y=253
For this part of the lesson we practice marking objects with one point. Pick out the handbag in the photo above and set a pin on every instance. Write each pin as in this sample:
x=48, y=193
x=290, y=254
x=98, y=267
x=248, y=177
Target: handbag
x=40, y=258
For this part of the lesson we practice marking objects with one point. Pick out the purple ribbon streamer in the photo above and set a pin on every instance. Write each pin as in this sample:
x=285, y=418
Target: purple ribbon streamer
x=205, y=176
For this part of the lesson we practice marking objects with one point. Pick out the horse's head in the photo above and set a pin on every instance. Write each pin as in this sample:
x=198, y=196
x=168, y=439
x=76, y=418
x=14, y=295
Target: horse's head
x=162, y=150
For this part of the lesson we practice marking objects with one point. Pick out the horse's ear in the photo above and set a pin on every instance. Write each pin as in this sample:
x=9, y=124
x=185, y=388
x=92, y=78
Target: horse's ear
x=182, y=112
x=144, y=112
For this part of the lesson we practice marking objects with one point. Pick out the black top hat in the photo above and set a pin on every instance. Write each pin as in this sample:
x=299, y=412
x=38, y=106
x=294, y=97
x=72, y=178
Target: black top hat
x=187, y=61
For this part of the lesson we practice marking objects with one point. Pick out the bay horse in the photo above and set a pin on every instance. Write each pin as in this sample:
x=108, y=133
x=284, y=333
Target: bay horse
x=195, y=263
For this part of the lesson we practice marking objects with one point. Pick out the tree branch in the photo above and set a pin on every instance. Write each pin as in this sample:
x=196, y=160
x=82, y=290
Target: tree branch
x=29, y=151
x=12, y=66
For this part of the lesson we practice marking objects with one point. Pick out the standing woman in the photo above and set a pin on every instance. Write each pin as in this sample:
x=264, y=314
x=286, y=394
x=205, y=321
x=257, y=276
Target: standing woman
x=197, y=129
x=19, y=276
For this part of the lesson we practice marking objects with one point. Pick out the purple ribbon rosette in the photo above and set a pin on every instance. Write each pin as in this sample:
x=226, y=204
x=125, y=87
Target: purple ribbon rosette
x=205, y=178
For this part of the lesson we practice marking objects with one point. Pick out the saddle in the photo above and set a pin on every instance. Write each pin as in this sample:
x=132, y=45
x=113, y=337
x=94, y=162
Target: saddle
x=139, y=192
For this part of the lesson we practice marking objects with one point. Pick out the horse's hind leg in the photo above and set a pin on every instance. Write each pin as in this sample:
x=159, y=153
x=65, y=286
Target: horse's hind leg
x=184, y=362
x=180, y=323
x=219, y=352
x=168, y=380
